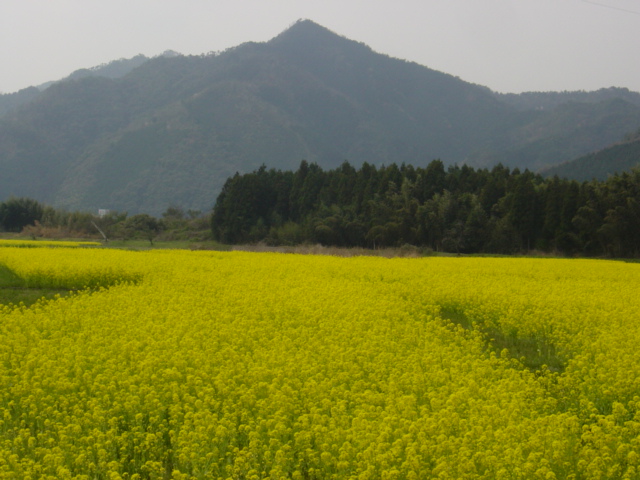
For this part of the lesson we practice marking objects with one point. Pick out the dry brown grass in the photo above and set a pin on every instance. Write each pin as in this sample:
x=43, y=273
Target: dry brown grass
x=409, y=251
x=53, y=233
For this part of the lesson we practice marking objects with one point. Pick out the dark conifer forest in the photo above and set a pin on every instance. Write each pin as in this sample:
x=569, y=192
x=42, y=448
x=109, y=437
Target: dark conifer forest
x=457, y=209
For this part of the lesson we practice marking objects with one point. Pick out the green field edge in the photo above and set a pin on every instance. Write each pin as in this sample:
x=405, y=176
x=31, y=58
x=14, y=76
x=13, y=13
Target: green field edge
x=304, y=249
x=534, y=352
x=14, y=291
x=17, y=292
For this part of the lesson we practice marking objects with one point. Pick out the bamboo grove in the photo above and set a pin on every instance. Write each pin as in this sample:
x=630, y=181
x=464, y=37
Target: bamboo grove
x=459, y=209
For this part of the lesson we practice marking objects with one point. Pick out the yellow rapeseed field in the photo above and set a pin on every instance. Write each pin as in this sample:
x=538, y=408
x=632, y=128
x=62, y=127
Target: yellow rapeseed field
x=45, y=243
x=203, y=365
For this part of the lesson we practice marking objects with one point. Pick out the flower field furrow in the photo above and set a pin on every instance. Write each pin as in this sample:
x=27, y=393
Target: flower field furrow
x=202, y=365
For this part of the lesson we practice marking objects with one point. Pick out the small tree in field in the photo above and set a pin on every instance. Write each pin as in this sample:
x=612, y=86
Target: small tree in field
x=143, y=226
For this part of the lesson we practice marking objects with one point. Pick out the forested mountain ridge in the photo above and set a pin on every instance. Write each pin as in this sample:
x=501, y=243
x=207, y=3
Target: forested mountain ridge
x=115, y=69
x=569, y=131
x=617, y=158
x=550, y=100
x=11, y=101
x=174, y=128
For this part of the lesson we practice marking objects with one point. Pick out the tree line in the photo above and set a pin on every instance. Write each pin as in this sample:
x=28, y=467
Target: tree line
x=30, y=217
x=458, y=209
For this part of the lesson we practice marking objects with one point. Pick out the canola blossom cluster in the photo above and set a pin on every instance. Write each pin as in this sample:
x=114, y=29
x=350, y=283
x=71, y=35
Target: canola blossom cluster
x=210, y=365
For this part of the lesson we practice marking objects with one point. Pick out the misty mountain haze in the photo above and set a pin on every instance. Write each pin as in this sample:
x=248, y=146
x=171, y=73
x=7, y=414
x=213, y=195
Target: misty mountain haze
x=139, y=135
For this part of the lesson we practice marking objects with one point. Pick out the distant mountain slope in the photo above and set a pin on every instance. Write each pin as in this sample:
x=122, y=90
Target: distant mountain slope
x=172, y=129
x=550, y=100
x=115, y=69
x=568, y=131
x=618, y=158
x=10, y=101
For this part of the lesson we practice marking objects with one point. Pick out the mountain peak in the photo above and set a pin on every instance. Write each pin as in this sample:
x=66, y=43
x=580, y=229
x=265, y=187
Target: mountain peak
x=305, y=27
x=306, y=34
x=310, y=43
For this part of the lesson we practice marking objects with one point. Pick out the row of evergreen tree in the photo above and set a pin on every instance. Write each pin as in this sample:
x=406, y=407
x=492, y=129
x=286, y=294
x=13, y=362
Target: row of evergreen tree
x=458, y=209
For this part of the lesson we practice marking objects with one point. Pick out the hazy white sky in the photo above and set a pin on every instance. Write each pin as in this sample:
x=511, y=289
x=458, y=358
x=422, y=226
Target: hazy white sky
x=506, y=45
